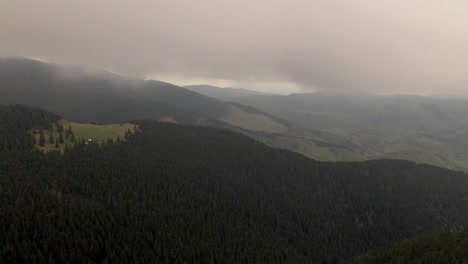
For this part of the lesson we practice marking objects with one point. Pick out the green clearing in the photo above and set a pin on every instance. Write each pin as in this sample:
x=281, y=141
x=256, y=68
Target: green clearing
x=97, y=133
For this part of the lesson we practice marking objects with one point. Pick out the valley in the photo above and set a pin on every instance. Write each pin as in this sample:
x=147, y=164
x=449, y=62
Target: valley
x=424, y=130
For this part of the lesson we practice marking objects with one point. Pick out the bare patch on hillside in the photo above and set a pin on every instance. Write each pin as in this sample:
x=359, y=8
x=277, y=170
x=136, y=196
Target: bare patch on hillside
x=168, y=119
x=252, y=121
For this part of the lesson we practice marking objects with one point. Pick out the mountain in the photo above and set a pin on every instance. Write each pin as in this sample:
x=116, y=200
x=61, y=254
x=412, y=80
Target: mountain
x=322, y=127
x=168, y=193
x=223, y=93
x=82, y=94
x=399, y=112
x=422, y=129
x=426, y=249
x=92, y=95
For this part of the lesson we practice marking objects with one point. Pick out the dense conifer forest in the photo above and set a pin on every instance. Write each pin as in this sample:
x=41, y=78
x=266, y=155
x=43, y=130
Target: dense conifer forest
x=426, y=249
x=185, y=194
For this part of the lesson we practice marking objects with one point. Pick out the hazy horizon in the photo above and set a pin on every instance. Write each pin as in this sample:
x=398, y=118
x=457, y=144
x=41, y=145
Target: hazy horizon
x=352, y=47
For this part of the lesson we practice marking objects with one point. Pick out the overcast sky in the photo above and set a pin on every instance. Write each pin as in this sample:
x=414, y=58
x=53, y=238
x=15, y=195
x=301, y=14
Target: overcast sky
x=378, y=46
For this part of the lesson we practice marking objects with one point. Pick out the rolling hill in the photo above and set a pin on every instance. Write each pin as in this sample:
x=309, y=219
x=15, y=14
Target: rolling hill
x=422, y=129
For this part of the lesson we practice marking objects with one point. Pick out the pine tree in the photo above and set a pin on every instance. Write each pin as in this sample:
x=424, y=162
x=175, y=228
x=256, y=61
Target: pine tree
x=41, y=138
x=51, y=139
x=60, y=138
x=72, y=138
x=68, y=132
x=60, y=128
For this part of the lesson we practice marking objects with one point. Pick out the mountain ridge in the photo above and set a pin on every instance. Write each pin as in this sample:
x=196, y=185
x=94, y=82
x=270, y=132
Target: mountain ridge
x=102, y=99
x=225, y=93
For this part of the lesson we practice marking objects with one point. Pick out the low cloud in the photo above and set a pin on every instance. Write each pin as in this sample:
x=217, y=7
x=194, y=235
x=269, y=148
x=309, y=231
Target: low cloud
x=386, y=46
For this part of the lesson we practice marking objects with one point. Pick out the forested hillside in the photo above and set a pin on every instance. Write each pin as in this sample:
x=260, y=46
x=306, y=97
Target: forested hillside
x=15, y=120
x=427, y=249
x=182, y=194
x=81, y=94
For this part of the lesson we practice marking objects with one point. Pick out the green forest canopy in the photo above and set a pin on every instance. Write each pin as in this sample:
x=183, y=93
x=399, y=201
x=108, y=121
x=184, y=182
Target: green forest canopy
x=178, y=194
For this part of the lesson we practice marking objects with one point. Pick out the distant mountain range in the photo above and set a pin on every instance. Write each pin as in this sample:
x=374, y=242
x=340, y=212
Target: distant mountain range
x=88, y=95
x=98, y=96
x=319, y=126
x=223, y=93
x=422, y=129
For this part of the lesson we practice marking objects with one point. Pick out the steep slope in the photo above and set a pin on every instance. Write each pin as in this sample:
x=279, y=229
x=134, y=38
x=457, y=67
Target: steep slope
x=177, y=194
x=80, y=94
x=223, y=93
x=103, y=96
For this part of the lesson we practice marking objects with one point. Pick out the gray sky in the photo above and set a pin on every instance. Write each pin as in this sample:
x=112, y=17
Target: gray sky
x=380, y=46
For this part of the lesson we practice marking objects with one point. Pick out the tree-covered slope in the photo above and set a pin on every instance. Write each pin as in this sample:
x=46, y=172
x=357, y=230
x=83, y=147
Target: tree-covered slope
x=16, y=120
x=81, y=94
x=427, y=249
x=92, y=95
x=182, y=194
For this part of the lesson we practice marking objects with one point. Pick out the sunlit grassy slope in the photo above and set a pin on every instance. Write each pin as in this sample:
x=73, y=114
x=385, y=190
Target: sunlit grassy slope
x=96, y=133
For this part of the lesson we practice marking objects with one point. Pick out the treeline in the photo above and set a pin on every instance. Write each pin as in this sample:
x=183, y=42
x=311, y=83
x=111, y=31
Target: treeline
x=15, y=120
x=181, y=194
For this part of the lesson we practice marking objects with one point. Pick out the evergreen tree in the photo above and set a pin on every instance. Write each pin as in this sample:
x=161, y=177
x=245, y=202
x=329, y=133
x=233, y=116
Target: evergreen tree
x=68, y=132
x=60, y=127
x=51, y=139
x=41, y=138
x=182, y=194
x=60, y=138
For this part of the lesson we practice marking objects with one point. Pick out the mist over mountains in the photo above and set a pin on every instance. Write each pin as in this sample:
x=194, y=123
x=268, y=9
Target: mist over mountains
x=220, y=131
x=223, y=93
x=321, y=126
x=423, y=129
x=366, y=204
